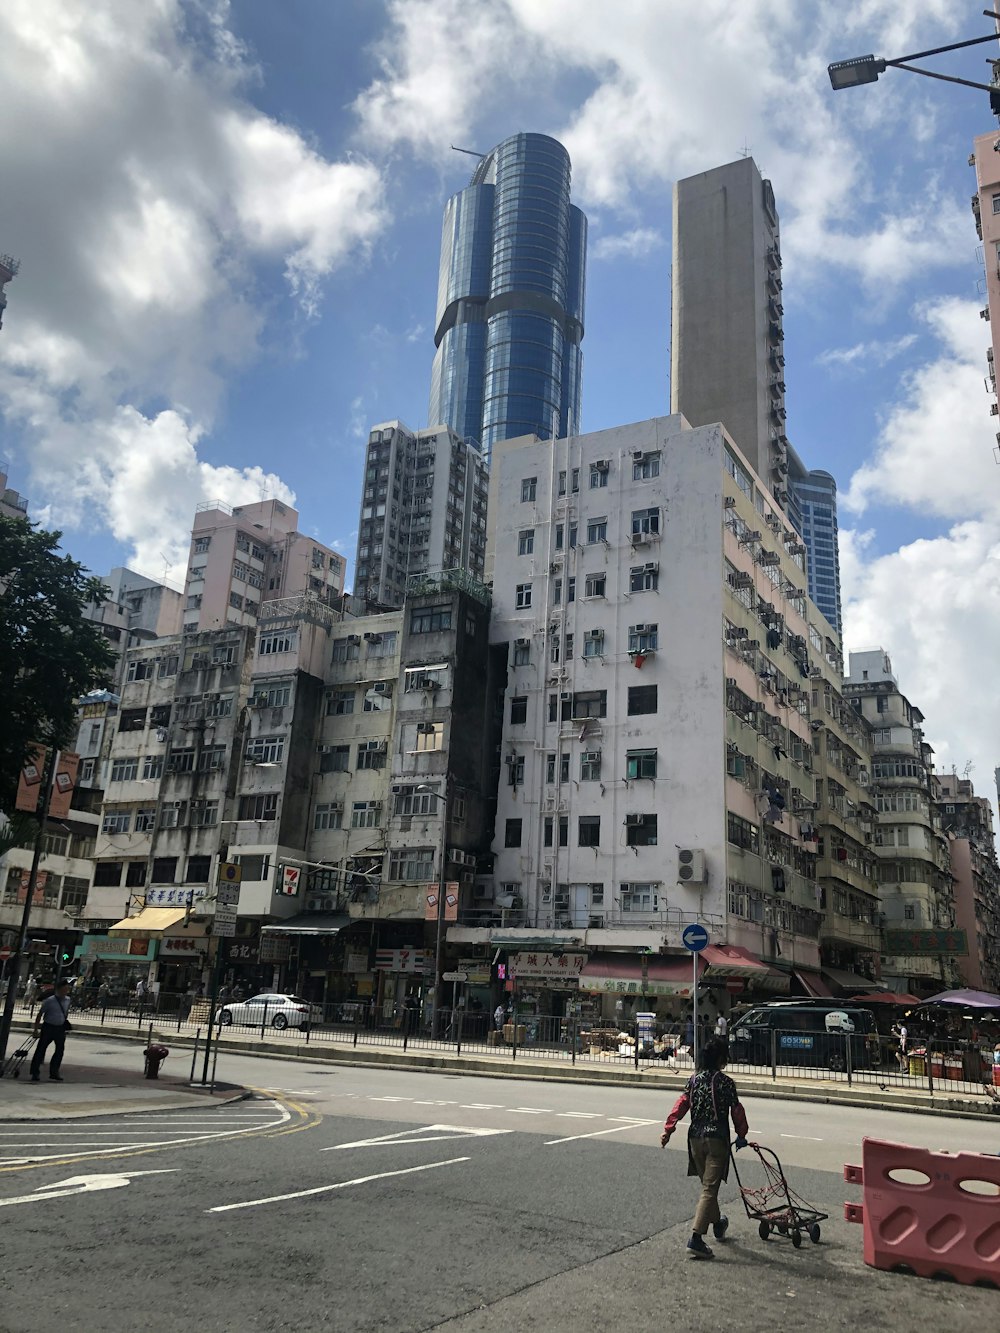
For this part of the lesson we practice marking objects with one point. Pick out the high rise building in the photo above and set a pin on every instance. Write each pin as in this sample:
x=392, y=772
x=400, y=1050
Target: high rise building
x=510, y=303
x=727, y=359
x=967, y=823
x=986, y=210
x=675, y=742
x=423, y=508
x=251, y=554
x=914, y=868
x=8, y=270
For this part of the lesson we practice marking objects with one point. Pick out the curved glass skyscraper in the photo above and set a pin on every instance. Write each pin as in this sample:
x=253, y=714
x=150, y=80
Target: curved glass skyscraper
x=510, y=298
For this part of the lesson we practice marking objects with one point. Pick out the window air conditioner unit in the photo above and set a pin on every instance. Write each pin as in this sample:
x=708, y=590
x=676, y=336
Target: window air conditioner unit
x=641, y=539
x=633, y=821
x=690, y=865
x=642, y=629
x=373, y=638
x=566, y=694
x=522, y=643
x=468, y=878
x=591, y=756
x=638, y=455
x=602, y=465
x=354, y=638
x=259, y=701
x=595, y=634
x=730, y=502
x=425, y=728
x=382, y=686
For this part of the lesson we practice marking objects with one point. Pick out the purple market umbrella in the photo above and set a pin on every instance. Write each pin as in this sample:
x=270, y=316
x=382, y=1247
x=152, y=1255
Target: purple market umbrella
x=971, y=999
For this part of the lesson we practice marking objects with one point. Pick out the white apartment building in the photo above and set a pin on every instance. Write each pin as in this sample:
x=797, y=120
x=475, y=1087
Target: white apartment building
x=423, y=510
x=658, y=744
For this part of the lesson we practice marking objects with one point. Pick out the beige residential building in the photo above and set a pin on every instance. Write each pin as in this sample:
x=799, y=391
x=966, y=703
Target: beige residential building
x=967, y=822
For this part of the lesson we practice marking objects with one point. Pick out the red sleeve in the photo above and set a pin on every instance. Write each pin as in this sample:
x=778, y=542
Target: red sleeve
x=740, y=1122
x=681, y=1108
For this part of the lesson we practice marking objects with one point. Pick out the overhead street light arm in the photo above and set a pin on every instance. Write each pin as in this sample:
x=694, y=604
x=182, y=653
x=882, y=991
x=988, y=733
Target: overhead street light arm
x=866, y=69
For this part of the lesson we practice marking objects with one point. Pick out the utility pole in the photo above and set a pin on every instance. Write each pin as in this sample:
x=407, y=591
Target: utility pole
x=14, y=971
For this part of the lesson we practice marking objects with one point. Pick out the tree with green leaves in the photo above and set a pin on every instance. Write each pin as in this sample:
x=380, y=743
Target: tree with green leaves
x=50, y=654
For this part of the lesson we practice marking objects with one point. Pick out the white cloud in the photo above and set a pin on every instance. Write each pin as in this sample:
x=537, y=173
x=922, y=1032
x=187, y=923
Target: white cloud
x=935, y=606
x=934, y=452
x=634, y=244
x=678, y=89
x=142, y=194
x=863, y=355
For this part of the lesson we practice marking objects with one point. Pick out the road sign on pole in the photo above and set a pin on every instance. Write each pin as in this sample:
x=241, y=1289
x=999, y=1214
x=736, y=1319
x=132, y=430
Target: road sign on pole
x=694, y=938
x=455, y=976
x=227, y=903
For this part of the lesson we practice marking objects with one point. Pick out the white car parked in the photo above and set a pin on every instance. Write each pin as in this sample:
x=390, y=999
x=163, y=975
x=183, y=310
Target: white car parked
x=271, y=1010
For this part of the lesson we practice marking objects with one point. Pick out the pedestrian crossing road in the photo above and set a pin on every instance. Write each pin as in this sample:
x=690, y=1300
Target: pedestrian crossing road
x=48, y=1142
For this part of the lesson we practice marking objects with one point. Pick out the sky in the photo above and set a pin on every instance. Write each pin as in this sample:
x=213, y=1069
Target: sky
x=228, y=220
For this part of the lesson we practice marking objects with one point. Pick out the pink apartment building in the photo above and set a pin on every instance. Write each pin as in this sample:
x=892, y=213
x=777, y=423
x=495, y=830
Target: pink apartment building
x=967, y=821
x=251, y=554
x=986, y=210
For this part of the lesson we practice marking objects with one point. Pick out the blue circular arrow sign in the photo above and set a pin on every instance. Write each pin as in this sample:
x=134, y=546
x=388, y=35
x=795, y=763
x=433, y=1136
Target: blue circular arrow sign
x=694, y=937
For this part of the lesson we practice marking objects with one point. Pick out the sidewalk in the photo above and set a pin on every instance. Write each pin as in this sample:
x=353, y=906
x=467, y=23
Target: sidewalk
x=340, y=1048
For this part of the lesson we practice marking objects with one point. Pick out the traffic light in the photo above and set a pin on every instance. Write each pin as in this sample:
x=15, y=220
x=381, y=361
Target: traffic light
x=65, y=956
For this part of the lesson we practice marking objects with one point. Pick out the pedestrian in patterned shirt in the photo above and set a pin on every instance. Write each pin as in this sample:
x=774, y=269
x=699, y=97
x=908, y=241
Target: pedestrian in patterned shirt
x=711, y=1097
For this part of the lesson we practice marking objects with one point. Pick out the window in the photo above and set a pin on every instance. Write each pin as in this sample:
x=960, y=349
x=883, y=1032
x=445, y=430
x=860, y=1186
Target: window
x=640, y=764
x=135, y=874
x=522, y=653
x=124, y=770
x=346, y=650
x=87, y=769
x=266, y=750
x=996, y=203
x=640, y=830
x=267, y=696
x=164, y=870
x=562, y=483
x=571, y=543
x=574, y=480
x=116, y=821
x=279, y=641
x=590, y=766
x=262, y=806
x=645, y=521
x=145, y=820
x=568, y=653
x=172, y=814
x=415, y=865
x=132, y=719
x=328, y=815
x=557, y=586
x=182, y=761
x=382, y=645
x=254, y=868
x=519, y=710
x=204, y=814
x=639, y=898
x=560, y=533
x=529, y=489
x=642, y=638
x=548, y=830
x=590, y=703
x=595, y=585
x=598, y=475
x=201, y=545
x=339, y=703
x=212, y=757
x=597, y=530
x=741, y=833
x=430, y=736
x=141, y=669
x=376, y=697
x=644, y=578
x=371, y=754
x=74, y=893
x=908, y=908
x=646, y=468
x=589, y=832
x=522, y=596
x=571, y=589
x=411, y=801
x=108, y=874
x=641, y=699
x=512, y=833
x=515, y=770
x=198, y=869
x=335, y=759
x=236, y=601
x=429, y=619
x=526, y=542
x=159, y=716
x=593, y=643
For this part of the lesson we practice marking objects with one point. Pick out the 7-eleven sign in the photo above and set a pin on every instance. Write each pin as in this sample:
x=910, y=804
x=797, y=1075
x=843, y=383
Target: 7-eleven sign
x=288, y=883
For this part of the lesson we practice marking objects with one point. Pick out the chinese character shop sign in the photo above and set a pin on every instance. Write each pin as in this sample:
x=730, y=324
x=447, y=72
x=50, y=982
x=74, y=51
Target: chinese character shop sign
x=914, y=942
x=556, y=965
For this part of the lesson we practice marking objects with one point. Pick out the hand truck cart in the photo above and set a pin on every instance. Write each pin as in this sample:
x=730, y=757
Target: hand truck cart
x=12, y=1066
x=774, y=1205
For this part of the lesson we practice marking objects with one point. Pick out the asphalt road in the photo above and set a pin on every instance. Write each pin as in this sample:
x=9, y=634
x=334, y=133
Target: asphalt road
x=363, y=1198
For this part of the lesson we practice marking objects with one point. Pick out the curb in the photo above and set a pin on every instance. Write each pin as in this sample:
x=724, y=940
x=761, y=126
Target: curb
x=964, y=1108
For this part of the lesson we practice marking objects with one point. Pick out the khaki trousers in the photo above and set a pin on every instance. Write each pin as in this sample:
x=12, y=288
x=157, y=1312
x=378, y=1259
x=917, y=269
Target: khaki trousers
x=711, y=1158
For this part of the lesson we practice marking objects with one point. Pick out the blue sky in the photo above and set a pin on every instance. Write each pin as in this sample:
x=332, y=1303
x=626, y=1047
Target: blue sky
x=228, y=217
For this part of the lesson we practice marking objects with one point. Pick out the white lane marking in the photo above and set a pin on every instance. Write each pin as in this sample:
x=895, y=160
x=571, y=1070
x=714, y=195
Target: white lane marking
x=808, y=1137
x=631, y=1120
x=481, y=1106
x=341, y=1185
x=392, y=1099
x=531, y=1110
x=595, y=1134
x=62, y=1189
x=422, y=1134
x=434, y=1103
x=580, y=1115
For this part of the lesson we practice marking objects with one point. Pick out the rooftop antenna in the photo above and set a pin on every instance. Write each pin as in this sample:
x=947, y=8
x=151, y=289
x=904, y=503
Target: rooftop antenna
x=745, y=150
x=167, y=565
x=967, y=770
x=471, y=151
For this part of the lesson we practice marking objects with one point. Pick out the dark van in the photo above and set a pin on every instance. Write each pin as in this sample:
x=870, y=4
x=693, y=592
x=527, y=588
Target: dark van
x=816, y=1035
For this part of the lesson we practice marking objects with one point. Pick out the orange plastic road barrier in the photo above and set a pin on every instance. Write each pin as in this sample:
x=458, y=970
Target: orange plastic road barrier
x=935, y=1214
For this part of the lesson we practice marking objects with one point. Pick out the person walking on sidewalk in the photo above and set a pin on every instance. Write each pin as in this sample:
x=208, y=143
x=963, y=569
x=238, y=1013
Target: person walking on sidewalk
x=711, y=1097
x=51, y=1026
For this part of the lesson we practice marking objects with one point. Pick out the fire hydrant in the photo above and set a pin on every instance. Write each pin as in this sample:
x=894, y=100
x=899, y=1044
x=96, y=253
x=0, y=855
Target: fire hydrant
x=155, y=1056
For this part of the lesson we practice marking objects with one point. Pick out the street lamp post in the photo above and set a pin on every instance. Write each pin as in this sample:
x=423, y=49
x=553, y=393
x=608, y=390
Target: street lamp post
x=866, y=69
x=442, y=880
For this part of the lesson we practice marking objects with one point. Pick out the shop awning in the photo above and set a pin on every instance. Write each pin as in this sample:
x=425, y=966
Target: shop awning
x=566, y=942
x=621, y=973
x=886, y=997
x=730, y=961
x=309, y=923
x=813, y=984
x=150, y=923
x=850, y=981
